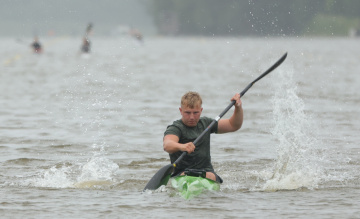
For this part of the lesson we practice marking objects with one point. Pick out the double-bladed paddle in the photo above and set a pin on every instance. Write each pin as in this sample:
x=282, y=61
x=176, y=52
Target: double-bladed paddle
x=163, y=175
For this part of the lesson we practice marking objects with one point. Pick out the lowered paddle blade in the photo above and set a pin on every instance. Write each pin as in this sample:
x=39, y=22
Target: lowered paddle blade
x=160, y=178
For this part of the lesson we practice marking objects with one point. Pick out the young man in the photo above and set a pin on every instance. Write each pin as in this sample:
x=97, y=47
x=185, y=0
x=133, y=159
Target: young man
x=179, y=136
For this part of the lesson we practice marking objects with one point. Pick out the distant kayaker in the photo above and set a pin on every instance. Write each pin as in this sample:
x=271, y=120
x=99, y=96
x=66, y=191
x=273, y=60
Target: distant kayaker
x=179, y=136
x=136, y=34
x=36, y=46
x=85, y=48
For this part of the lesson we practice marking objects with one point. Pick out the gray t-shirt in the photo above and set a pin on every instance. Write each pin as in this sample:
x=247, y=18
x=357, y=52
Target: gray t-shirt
x=200, y=158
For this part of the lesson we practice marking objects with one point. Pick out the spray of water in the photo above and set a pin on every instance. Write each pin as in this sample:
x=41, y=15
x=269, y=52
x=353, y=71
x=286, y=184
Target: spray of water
x=299, y=161
x=88, y=112
x=98, y=168
x=54, y=177
x=98, y=172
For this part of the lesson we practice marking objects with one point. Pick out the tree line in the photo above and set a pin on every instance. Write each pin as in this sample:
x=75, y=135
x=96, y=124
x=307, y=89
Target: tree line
x=254, y=17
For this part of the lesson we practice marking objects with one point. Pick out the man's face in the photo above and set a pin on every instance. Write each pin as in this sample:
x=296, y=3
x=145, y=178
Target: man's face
x=190, y=116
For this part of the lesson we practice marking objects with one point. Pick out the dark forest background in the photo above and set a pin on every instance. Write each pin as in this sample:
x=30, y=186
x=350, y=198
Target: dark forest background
x=255, y=17
x=181, y=17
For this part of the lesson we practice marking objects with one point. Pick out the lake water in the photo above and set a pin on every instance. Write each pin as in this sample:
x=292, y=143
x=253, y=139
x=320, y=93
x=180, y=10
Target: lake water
x=80, y=136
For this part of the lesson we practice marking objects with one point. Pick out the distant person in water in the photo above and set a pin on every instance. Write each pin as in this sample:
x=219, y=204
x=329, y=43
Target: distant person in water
x=136, y=34
x=36, y=46
x=85, y=48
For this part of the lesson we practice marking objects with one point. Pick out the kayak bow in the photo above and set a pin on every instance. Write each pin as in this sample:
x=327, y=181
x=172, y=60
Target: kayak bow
x=191, y=186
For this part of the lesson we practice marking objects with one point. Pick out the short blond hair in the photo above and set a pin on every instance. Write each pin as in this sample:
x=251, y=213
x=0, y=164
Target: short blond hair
x=191, y=99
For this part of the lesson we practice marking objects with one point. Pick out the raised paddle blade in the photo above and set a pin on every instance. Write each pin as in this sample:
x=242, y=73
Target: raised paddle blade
x=160, y=178
x=263, y=74
x=88, y=28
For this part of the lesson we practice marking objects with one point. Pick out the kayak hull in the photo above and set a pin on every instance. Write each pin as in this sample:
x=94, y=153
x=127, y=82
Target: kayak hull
x=191, y=186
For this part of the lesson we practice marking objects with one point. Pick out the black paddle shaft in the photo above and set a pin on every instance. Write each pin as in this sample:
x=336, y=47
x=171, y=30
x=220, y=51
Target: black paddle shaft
x=231, y=104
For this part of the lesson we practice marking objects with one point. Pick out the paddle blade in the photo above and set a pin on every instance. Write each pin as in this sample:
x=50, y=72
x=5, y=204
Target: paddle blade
x=88, y=28
x=160, y=178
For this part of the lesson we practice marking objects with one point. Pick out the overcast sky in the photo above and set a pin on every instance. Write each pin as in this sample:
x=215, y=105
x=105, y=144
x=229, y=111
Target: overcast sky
x=70, y=17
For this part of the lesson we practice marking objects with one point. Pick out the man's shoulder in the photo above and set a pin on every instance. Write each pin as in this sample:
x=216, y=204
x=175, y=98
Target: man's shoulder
x=177, y=122
x=206, y=119
x=174, y=128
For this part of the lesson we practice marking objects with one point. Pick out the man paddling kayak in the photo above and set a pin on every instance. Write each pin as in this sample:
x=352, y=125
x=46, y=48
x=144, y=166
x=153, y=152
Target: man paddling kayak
x=179, y=136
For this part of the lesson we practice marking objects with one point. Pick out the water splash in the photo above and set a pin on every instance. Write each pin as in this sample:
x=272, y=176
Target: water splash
x=54, y=177
x=98, y=168
x=299, y=159
x=86, y=104
x=98, y=172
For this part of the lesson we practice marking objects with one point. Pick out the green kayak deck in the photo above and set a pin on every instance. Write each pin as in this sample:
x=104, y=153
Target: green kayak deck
x=191, y=186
